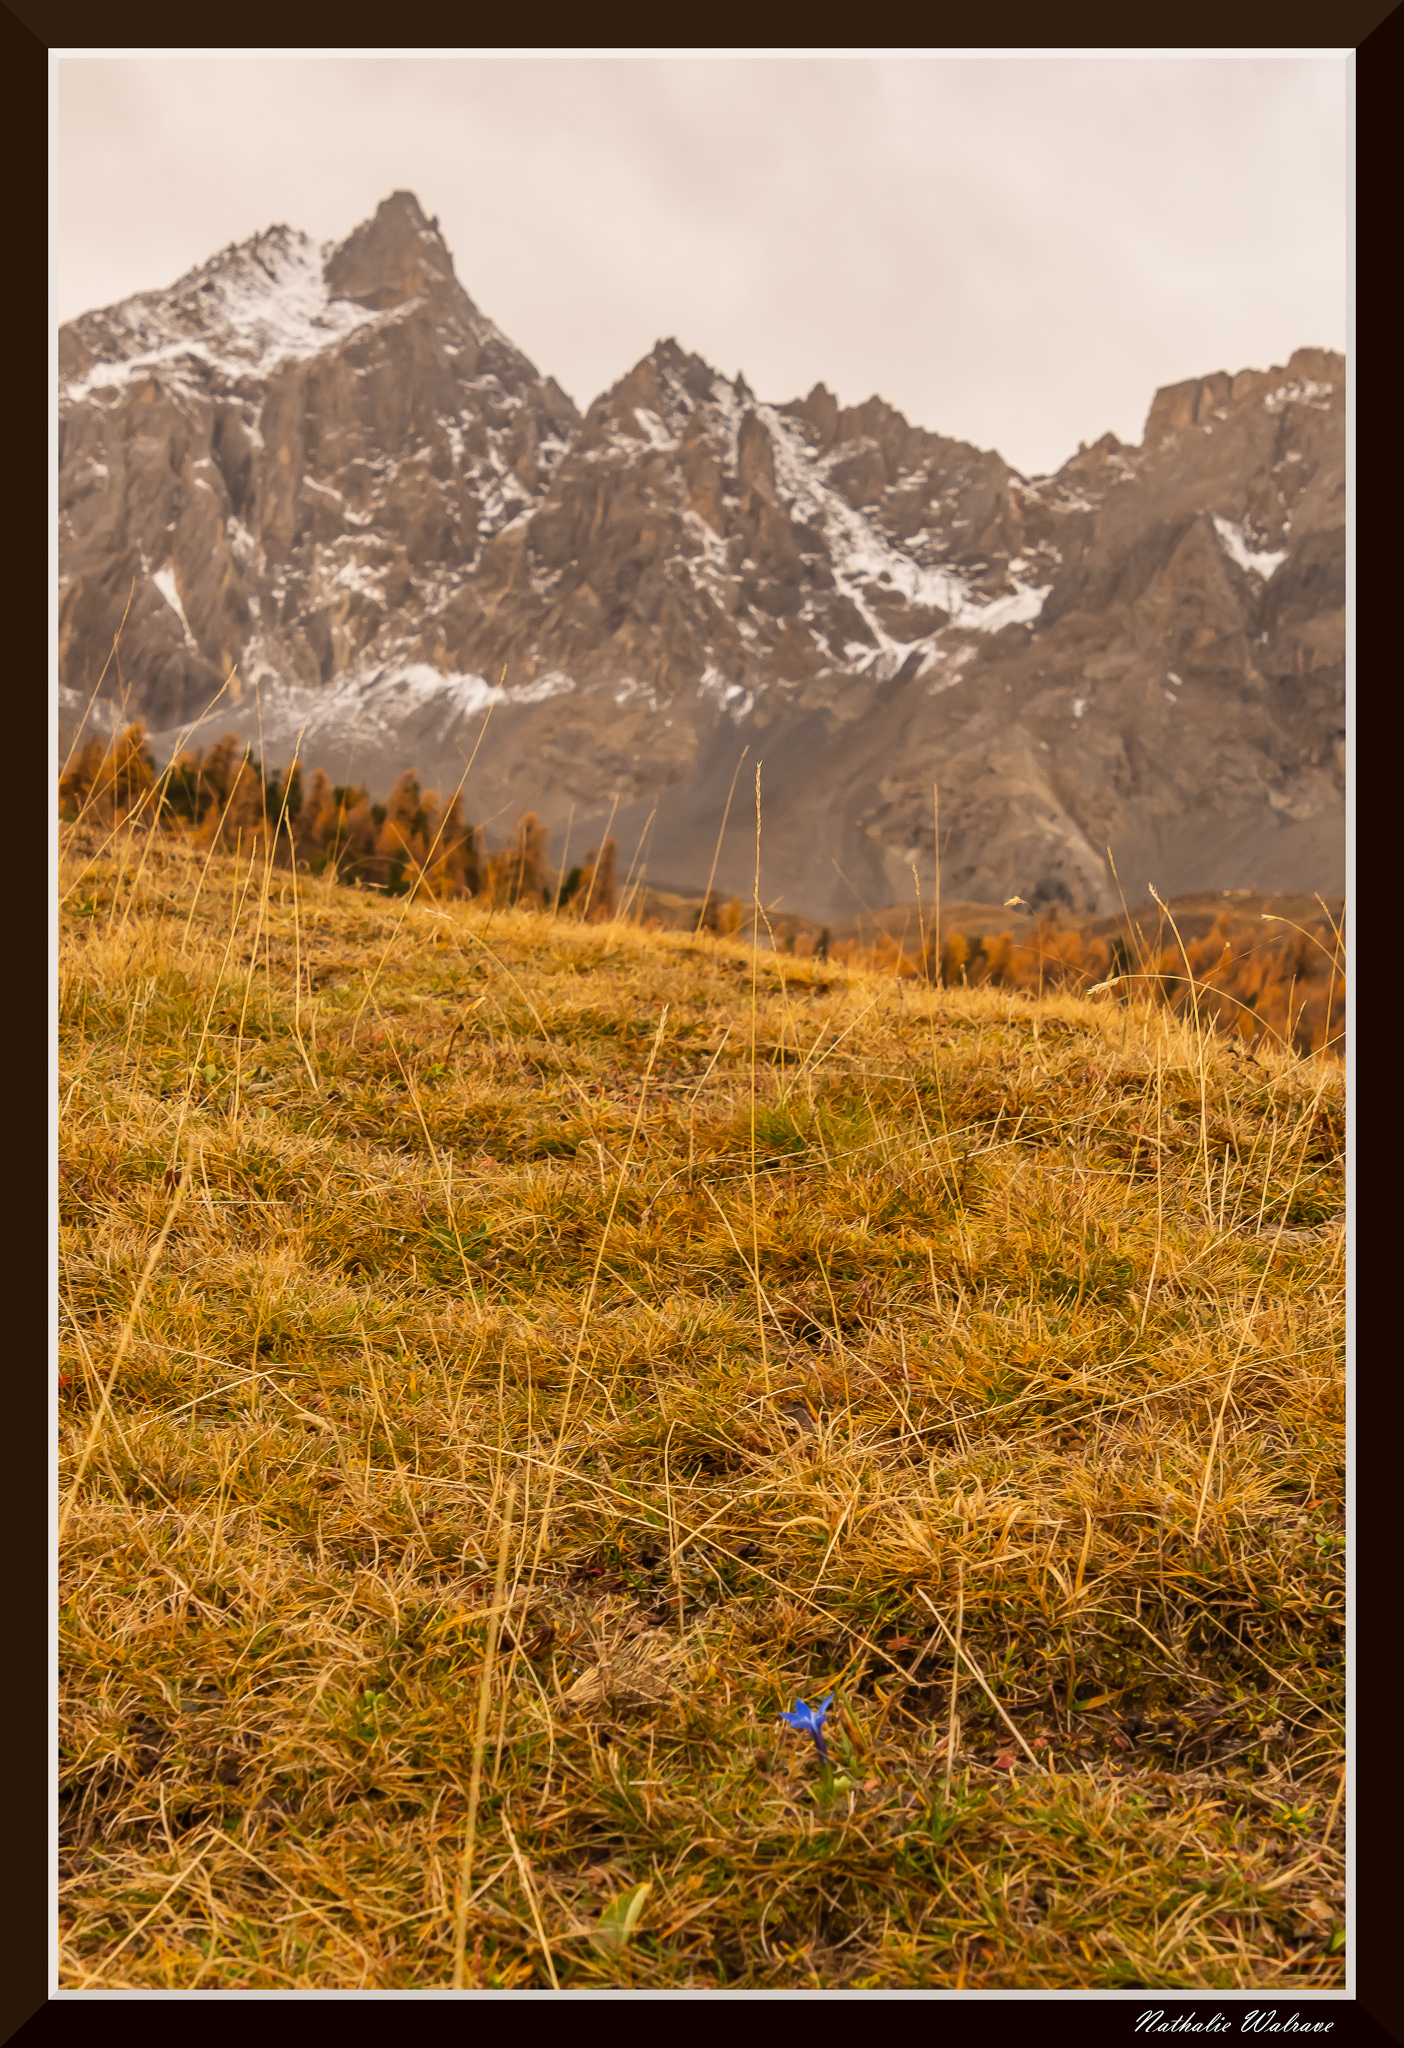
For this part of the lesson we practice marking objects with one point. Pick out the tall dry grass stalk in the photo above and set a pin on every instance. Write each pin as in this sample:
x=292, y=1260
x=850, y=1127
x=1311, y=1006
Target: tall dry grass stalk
x=952, y=1723
x=409, y=900
x=755, y=1209
x=494, y=1629
x=75, y=1484
x=963, y=1656
x=544, y=1525
x=936, y=834
x=97, y=686
x=1305, y=1123
x=721, y=830
x=595, y=867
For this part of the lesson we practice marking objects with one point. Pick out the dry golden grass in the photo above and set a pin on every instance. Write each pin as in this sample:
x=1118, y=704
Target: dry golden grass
x=396, y=1238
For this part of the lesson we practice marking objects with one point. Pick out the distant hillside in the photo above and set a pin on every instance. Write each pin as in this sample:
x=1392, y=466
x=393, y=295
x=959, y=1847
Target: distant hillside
x=1263, y=968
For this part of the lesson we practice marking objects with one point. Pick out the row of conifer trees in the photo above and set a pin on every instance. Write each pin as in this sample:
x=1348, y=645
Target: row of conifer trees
x=1286, y=984
x=416, y=840
x=1279, y=982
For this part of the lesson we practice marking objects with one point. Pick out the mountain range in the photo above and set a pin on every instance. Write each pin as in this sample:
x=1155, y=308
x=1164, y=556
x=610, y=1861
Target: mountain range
x=332, y=508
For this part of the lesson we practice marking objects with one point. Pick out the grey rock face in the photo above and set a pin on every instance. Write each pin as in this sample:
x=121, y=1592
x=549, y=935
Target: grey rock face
x=321, y=485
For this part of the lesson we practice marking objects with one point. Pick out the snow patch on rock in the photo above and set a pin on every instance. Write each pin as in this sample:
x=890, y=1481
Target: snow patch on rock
x=165, y=582
x=256, y=307
x=1258, y=562
x=1306, y=392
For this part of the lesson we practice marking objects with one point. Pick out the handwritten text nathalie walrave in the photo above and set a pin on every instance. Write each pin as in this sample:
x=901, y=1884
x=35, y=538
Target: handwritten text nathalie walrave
x=1253, y=2022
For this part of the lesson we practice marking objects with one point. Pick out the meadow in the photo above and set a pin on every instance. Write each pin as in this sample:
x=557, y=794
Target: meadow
x=506, y=1361
x=1260, y=967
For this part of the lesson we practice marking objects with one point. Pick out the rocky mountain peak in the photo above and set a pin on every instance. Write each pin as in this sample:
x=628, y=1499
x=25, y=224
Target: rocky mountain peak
x=331, y=485
x=395, y=256
x=668, y=385
x=755, y=455
x=1310, y=376
x=820, y=411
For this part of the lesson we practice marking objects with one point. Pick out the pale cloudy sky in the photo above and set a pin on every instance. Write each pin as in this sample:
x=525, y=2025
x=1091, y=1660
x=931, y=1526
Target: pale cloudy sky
x=1013, y=251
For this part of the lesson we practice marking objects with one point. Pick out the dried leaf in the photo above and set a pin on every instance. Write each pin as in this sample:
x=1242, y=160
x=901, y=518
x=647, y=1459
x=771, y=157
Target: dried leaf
x=632, y=1673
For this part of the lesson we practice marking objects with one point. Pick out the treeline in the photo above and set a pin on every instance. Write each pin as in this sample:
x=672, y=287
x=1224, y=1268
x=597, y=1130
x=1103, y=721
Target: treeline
x=416, y=841
x=1275, y=981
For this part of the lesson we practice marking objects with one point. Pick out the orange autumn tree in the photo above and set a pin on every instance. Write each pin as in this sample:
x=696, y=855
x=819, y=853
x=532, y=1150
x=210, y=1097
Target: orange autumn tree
x=107, y=782
x=596, y=892
x=518, y=874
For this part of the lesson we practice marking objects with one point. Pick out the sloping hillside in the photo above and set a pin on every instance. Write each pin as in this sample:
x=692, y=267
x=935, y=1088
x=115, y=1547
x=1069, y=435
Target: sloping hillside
x=735, y=1329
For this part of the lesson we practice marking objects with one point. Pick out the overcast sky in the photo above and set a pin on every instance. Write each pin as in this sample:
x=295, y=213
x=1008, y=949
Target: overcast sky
x=1013, y=251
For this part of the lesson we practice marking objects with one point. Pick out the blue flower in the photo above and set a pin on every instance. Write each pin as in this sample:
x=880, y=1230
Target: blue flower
x=810, y=1721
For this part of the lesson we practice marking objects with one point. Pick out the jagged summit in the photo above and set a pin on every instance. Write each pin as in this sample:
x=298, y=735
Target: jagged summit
x=1197, y=401
x=398, y=254
x=668, y=382
x=325, y=475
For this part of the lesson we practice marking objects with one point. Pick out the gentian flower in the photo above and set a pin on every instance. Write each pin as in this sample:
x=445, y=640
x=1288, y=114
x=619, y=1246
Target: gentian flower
x=810, y=1721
